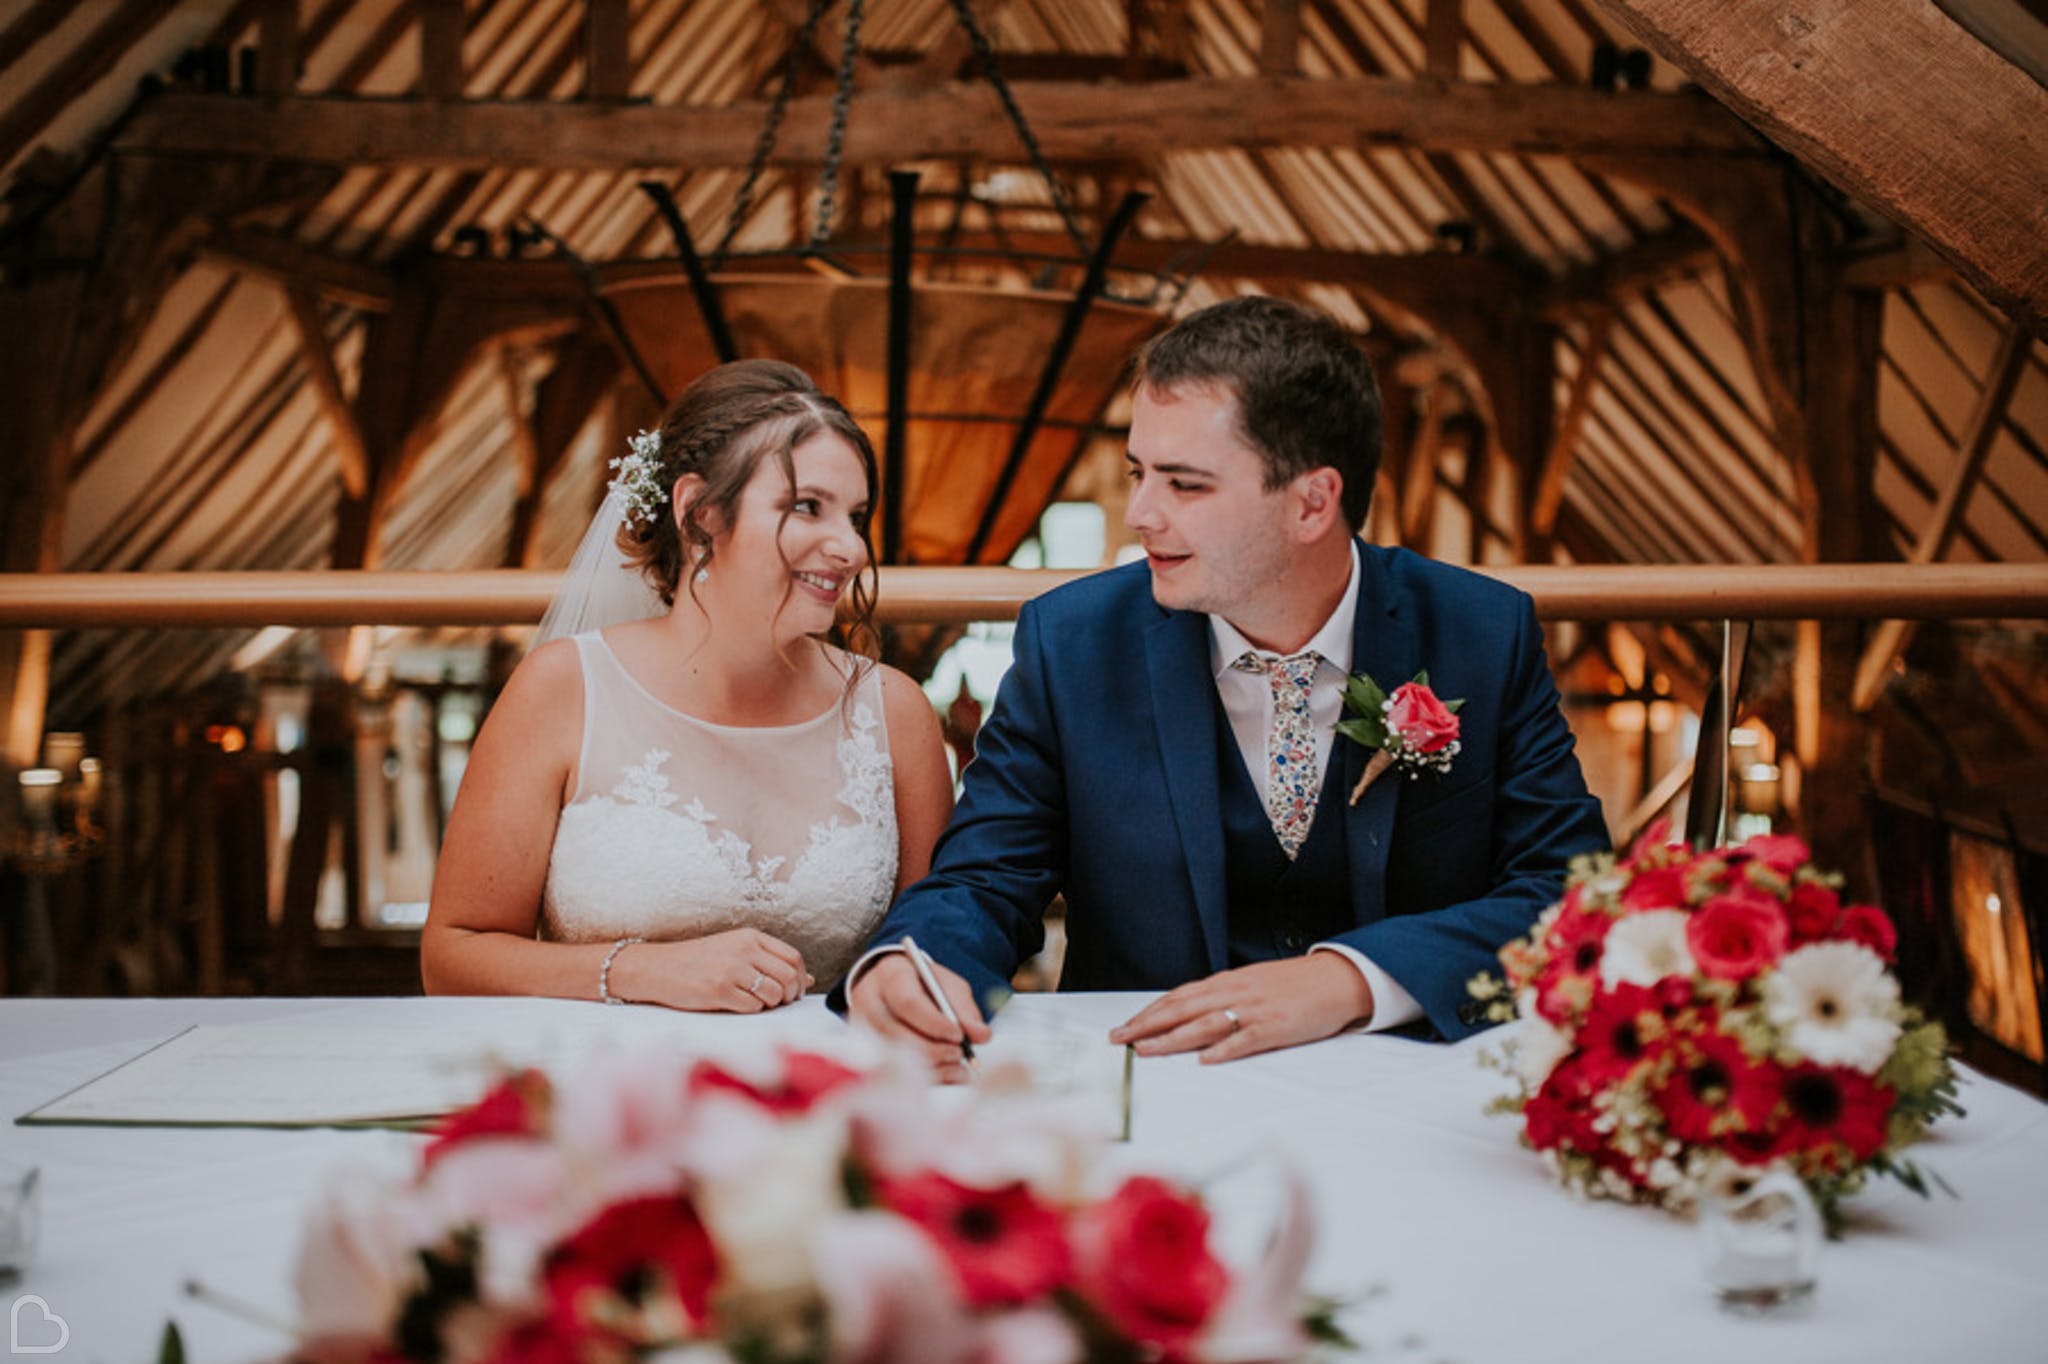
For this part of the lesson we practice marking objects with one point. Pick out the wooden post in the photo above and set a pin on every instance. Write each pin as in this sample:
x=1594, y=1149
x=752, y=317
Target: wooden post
x=277, y=47
x=37, y=327
x=607, y=40
x=1833, y=464
x=442, y=26
x=1280, y=38
x=323, y=782
x=1442, y=36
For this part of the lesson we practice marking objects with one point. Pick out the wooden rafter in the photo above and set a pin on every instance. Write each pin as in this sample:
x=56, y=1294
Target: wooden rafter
x=1894, y=102
x=352, y=458
x=1548, y=494
x=273, y=255
x=1892, y=637
x=1457, y=184
x=1615, y=279
x=113, y=248
x=31, y=111
x=1072, y=121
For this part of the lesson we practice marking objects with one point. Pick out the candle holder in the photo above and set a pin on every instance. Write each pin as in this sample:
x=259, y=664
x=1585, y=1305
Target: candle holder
x=1760, y=1240
x=20, y=1220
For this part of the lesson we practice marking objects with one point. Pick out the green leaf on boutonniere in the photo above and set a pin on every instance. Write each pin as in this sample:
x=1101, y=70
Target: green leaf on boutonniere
x=1367, y=730
x=1363, y=695
x=172, y=1350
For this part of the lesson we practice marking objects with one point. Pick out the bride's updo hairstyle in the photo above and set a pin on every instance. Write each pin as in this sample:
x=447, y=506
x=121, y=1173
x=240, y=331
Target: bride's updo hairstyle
x=720, y=429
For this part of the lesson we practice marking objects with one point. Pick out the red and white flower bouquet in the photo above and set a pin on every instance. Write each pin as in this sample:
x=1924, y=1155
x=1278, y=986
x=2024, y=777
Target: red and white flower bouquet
x=795, y=1206
x=1684, y=1011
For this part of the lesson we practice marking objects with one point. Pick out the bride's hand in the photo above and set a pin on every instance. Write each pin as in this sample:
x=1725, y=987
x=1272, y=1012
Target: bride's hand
x=741, y=971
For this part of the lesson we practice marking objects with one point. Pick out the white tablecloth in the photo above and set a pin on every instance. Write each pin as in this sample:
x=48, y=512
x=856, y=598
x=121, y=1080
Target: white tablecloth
x=1421, y=1195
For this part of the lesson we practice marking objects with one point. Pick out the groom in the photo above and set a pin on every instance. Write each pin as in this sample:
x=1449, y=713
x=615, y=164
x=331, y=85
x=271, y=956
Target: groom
x=1162, y=750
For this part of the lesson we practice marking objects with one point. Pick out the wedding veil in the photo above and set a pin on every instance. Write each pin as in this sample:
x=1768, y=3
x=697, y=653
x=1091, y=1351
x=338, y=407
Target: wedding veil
x=600, y=588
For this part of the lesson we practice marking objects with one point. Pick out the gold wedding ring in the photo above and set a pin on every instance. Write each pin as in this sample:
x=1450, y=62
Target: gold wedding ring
x=1230, y=1017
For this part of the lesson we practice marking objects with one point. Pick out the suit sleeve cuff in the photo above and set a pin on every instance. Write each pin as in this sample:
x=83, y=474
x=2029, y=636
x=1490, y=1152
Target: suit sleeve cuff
x=1391, y=1005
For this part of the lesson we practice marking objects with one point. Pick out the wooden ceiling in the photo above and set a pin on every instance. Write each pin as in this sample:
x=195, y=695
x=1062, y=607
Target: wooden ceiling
x=273, y=314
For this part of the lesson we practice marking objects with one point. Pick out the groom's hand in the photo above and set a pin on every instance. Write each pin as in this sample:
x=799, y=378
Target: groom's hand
x=1251, y=1009
x=890, y=998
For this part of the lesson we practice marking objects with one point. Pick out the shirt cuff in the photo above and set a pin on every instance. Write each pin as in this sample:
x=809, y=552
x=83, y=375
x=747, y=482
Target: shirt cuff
x=1391, y=1005
x=874, y=955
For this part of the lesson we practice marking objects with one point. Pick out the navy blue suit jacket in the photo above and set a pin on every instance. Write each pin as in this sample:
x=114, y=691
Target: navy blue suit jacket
x=1096, y=776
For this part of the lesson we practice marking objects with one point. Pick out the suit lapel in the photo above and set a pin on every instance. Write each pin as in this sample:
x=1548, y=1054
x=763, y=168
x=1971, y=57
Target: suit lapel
x=1382, y=645
x=1184, y=709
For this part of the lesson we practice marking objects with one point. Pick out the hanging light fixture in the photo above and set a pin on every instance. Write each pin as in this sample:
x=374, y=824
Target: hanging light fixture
x=981, y=396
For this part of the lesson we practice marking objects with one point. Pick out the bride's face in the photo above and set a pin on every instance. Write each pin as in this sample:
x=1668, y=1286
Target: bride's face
x=795, y=551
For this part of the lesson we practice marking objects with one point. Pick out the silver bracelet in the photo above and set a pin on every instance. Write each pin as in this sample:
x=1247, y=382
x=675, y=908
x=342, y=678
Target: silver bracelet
x=604, y=972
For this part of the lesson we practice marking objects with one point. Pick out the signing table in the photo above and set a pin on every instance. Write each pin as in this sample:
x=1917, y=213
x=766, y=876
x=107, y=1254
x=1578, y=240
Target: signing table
x=1448, y=1235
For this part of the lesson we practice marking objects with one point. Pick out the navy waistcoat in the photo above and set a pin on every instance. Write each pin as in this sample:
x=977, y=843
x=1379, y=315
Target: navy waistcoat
x=1280, y=908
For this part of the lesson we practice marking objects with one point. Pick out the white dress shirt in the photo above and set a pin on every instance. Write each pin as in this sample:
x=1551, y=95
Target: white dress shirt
x=1248, y=704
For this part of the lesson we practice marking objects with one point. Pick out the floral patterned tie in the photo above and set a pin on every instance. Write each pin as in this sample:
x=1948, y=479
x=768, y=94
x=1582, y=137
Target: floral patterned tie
x=1292, y=782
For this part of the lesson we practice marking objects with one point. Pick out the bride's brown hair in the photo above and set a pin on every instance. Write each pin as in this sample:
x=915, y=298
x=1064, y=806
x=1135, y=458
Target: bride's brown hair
x=720, y=429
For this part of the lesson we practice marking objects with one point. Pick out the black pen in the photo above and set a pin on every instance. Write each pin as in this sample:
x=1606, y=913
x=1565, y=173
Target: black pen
x=931, y=984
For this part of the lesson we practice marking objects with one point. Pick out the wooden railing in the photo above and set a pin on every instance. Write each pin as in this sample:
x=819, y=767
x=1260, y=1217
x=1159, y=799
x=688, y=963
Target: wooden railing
x=954, y=595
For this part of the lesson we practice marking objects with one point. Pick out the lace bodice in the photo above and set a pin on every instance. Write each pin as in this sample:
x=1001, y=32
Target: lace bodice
x=680, y=828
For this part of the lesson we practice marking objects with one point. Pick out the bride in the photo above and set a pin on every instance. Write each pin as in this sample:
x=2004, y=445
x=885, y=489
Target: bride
x=694, y=800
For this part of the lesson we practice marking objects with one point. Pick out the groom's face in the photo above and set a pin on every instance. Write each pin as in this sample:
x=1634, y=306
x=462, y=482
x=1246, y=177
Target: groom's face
x=1215, y=536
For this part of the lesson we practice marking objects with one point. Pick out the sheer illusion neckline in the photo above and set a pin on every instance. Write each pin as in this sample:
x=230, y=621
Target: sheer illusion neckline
x=626, y=673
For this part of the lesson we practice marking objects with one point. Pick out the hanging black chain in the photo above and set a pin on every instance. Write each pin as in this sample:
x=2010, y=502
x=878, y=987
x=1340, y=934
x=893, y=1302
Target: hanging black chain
x=985, y=52
x=835, y=139
x=743, y=203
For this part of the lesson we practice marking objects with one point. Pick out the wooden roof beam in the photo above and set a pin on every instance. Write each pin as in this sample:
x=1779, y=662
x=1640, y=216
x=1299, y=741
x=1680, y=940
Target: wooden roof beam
x=1615, y=279
x=1072, y=120
x=1894, y=102
x=290, y=262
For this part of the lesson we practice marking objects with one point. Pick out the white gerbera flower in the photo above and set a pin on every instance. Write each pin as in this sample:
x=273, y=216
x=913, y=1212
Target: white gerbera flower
x=1644, y=948
x=1835, y=1005
x=1538, y=1045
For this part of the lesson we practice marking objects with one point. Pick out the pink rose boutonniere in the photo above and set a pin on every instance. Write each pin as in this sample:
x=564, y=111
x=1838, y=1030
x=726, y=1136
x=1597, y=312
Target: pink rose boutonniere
x=1413, y=729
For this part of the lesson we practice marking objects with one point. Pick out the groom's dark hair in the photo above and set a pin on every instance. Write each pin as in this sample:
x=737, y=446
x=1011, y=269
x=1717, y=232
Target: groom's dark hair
x=1306, y=397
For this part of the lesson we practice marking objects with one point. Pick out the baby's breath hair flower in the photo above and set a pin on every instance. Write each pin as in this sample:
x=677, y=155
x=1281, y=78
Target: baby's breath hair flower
x=637, y=478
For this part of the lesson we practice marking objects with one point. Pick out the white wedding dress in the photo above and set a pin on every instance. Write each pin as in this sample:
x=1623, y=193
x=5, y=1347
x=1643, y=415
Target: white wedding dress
x=680, y=828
